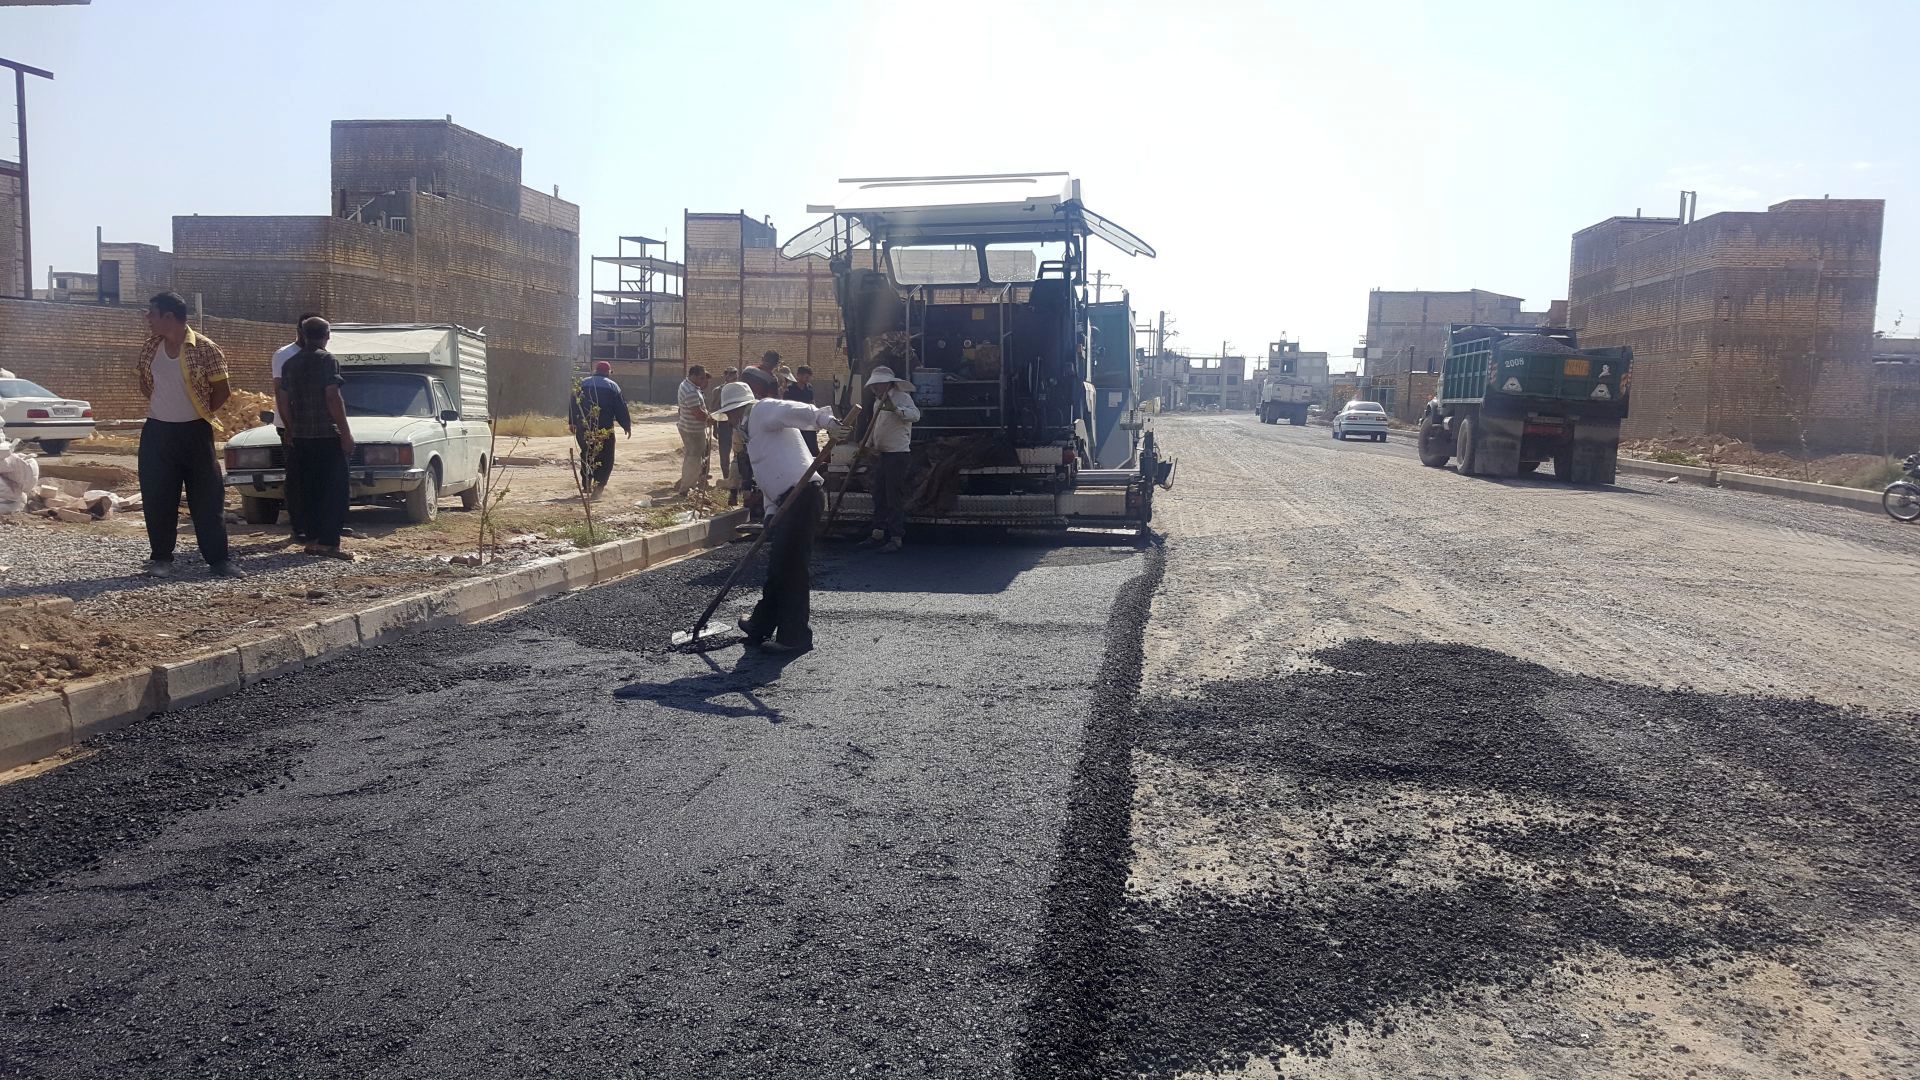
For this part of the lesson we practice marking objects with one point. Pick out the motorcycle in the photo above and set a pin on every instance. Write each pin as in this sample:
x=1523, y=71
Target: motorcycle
x=1902, y=497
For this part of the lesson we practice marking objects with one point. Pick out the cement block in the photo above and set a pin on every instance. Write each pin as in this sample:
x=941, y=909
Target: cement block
x=273, y=655
x=319, y=640
x=198, y=678
x=619, y=558
x=34, y=727
x=110, y=702
x=475, y=600
x=404, y=615
x=577, y=570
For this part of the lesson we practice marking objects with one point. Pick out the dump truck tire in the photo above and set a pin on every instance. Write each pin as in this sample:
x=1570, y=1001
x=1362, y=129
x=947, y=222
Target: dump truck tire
x=1527, y=467
x=1464, y=448
x=1433, y=449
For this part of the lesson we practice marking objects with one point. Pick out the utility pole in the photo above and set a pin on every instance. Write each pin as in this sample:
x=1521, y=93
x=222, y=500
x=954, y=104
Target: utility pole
x=1099, y=281
x=19, y=170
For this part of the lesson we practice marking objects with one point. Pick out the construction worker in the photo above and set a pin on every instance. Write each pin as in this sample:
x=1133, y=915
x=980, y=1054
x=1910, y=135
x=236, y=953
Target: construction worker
x=781, y=621
x=892, y=440
x=597, y=405
x=692, y=424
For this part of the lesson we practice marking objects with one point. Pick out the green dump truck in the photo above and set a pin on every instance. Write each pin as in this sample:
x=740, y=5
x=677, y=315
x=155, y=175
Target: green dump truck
x=1511, y=397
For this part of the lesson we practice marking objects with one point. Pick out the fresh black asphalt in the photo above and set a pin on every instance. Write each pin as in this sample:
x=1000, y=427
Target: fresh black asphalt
x=548, y=845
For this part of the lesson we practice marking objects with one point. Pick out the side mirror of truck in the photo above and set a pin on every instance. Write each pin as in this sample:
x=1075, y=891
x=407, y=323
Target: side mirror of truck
x=448, y=416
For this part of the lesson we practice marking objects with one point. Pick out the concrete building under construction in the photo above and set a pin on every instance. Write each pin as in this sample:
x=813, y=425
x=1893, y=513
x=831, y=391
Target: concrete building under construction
x=1755, y=325
x=1407, y=331
x=743, y=299
x=429, y=222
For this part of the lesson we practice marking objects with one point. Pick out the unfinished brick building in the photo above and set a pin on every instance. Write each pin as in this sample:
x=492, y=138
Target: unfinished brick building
x=742, y=298
x=1756, y=325
x=429, y=223
x=1407, y=331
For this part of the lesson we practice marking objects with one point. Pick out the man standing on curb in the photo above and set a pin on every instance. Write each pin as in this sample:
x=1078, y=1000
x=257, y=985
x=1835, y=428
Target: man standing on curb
x=319, y=441
x=598, y=405
x=183, y=376
x=692, y=424
x=291, y=485
x=893, y=415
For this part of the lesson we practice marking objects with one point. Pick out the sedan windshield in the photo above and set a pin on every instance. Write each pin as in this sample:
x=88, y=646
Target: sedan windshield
x=23, y=388
x=379, y=393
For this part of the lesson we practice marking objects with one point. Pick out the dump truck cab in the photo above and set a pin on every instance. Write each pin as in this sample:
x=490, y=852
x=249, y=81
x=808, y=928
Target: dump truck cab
x=975, y=289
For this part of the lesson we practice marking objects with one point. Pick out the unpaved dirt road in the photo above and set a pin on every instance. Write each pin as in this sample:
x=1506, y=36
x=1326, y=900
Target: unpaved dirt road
x=1440, y=776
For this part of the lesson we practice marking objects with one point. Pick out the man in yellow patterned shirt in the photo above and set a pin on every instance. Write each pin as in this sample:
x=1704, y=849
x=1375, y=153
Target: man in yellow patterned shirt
x=184, y=378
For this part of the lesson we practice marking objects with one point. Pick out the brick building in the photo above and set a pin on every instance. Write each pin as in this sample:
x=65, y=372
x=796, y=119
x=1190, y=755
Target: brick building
x=132, y=273
x=1286, y=357
x=89, y=351
x=742, y=298
x=1216, y=381
x=14, y=275
x=1757, y=325
x=429, y=222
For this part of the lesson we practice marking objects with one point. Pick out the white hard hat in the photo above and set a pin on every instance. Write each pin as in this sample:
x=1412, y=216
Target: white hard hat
x=733, y=395
x=882, y=375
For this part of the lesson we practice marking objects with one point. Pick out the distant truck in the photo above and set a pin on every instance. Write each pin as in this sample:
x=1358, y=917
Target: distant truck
x=1287, y=399
x=1511, y=397
x=1285, y=394
x=416, y=398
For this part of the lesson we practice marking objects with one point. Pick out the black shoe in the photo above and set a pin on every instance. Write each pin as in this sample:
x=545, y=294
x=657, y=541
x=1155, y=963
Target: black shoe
x=745, y=623
x=781, y=647
x=224, y=569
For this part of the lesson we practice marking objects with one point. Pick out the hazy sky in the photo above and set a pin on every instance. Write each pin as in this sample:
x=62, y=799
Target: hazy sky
x=1284, y=158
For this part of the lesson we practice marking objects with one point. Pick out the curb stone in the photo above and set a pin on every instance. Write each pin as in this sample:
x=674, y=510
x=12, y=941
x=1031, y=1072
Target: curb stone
x=1797, y=490
x=45, y=724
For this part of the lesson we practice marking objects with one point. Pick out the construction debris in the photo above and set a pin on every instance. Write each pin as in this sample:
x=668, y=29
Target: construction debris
x=242, y=411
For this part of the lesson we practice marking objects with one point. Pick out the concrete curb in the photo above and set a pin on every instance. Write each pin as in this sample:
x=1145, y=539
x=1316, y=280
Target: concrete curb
x=1797, y=490
x=47, y=723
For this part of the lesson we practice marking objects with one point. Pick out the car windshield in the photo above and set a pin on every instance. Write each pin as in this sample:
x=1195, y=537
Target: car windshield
x=371, y=393
x=23, y=388
x=1365, y=406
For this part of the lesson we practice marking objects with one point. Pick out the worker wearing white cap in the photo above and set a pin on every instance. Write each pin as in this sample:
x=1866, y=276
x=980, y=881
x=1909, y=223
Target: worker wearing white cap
x=783, y=470
x=892, y=438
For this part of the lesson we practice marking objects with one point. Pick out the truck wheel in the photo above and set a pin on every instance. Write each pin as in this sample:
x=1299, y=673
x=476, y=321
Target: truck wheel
x=1528, y=466
x=423, y=502
x=470, y=498
x=1432, y=444
x=54, y=447
x=1464, y=447
x=1297, y=420
x=1563, y=464
x=259, y=511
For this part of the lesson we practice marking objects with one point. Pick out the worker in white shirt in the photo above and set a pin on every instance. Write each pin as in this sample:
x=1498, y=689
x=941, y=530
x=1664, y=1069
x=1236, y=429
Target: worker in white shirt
x=293, y=499
x=892, y=439
x=783, y=471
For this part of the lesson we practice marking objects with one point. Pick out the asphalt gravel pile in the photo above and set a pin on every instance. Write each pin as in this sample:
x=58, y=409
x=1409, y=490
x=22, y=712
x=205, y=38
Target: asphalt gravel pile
x=1607, y=818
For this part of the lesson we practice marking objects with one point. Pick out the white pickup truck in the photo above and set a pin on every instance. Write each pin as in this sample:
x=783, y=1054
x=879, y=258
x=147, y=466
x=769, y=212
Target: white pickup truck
x=416, y=398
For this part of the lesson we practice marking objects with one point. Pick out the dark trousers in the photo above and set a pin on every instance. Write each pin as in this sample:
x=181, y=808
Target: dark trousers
x=173, y=456
x=786, y=603
x=724, y=433
x=323, y=488
x=890, y=495
x=290, y=489
x=596, y=465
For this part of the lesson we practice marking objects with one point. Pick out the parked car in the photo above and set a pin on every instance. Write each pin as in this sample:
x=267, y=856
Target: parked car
x=1361, y=418
x=31, y=411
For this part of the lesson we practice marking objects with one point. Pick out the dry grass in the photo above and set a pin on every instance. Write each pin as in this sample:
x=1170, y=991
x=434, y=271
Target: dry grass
x=531, y=426
x=1876, y=477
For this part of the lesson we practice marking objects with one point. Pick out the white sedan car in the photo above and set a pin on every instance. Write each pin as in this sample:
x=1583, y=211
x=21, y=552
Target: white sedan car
x=31, y=411
x=1361, y=418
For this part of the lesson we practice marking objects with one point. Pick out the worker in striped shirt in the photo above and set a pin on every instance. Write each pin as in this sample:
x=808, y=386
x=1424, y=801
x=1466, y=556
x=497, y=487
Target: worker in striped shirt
x=695, y=438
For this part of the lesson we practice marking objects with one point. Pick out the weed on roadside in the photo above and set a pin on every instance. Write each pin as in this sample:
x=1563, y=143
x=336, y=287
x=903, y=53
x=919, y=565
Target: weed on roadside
x=532, y=426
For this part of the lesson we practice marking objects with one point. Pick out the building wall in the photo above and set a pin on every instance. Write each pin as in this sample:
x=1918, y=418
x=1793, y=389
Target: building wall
x=89, y=351
x=13, y=279
x=1757, y=325
x=742, y=298
x=1406, y=330
x=471, y=246
x=144, y=270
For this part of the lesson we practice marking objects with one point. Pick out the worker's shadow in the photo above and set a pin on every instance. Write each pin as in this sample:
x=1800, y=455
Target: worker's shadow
x=716, y=691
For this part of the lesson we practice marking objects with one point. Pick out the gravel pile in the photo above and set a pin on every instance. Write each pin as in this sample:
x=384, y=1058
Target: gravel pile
x=1607, y=817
